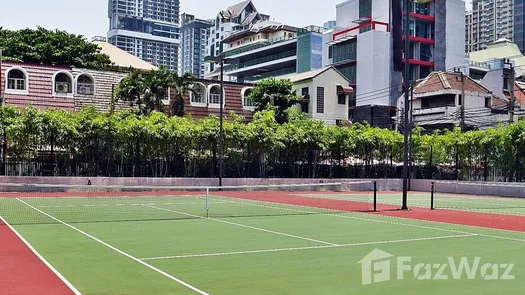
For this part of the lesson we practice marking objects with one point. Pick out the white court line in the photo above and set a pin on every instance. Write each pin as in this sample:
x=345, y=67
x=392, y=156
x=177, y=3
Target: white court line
x=59, y=275
x=384, y=221
x=246, y=226
x=132, y=204
x=118, y=250
x=308, y=248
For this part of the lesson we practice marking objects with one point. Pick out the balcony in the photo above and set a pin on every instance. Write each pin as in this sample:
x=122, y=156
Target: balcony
x=277, y=73
x=260, y=60
x=257, y=45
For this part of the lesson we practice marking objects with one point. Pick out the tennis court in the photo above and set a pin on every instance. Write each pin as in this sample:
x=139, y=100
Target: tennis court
x=304, y=239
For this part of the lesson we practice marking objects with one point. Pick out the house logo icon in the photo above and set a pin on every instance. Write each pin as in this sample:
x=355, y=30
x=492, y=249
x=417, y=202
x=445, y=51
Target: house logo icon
x=375, y=267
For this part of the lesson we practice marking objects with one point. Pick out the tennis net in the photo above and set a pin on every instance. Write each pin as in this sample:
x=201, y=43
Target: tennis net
x=478, y=196
x=43, y=204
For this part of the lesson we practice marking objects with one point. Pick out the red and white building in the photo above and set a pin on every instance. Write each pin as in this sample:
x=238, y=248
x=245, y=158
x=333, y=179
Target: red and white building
x=361, y=46
x=69, y=88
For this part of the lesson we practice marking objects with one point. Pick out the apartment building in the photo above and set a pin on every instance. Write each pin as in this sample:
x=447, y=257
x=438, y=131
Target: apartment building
x=194, y=35
x=519, y=24
x=243, y=16
x=147, y=29
x=362, y=47
x=488, y=21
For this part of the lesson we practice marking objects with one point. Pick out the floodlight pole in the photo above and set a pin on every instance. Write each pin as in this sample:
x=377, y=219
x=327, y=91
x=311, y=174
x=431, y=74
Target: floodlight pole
x=406, y=128
x=221, y=131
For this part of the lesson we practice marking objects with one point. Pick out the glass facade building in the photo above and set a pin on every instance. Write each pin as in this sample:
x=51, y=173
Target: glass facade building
x=148, y=29
x=194, y=34
x=519, y=24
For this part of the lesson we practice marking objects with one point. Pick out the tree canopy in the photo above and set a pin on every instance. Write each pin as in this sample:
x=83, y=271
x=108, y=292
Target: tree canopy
x=274, y=93
x=51, y=47
x=150, y=90
x=94, y=143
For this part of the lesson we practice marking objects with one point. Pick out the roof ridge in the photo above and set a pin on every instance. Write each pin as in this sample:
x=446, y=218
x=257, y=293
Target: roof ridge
x=444, y=80
x=425, y=80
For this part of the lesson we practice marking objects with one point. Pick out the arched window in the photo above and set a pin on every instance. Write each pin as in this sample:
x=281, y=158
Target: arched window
x=62, y=83
x=198, y=94
x=17, y=81
x=85, y=85
x=247, y=103
x=214, y=96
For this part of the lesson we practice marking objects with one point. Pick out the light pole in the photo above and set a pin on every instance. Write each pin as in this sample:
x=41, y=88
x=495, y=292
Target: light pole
x=406, y=128
x=220, y=59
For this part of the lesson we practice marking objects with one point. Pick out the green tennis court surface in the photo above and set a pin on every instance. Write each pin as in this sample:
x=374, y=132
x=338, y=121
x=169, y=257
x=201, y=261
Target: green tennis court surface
x=197, y=244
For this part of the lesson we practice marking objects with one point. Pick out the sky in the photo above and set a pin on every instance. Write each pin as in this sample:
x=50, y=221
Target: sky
x=90, y=18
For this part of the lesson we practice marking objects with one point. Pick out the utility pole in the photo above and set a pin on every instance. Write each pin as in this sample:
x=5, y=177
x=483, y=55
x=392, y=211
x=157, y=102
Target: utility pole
x=410, y=163
x=406, y=79
x=512, y=98
x=462, y=99
x=1, y=84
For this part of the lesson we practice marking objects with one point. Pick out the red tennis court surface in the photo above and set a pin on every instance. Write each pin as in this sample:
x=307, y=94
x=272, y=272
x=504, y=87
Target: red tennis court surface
x=487, y=220
x=22, y=272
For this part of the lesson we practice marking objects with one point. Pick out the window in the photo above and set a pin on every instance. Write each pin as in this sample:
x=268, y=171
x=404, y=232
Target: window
x=17, y=81
x=341, y=98
x=365, y=8
x=85, y=85
x=245, y=93
x=214, y=95
x=320, y=100
x=305, y=91
x=488, y=102
x=62, y=83
x=198, y=94
x=330, y=52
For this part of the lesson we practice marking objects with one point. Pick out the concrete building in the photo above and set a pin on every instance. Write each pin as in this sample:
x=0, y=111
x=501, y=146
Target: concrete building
x=519, y=24
x=437, y=103
x=488, y=21
x=243, y=15
x=361, y=46
x=325, y=94
x=330, y=24
x=146, y=29
x=194, y=35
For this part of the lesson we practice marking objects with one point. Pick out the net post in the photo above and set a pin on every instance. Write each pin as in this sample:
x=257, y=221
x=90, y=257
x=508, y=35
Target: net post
x=375, y=196
x=432, y=195
x=207, y=196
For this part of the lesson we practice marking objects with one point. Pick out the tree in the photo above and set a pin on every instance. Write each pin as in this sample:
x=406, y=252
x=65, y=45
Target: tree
x=149, y=90
x=51, y=47
x=180, y=85
x=157, y=85
x=133, y=89
x=277, y=93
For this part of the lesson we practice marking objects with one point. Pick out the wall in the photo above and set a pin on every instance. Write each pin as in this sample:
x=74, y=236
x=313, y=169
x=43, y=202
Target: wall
x=455, y=34
x=40, y=87
x=373, y=68
x=440, y=36
x=493, y=80
x=103, y=90
x=327, y=37
x=332, y=110
x=232, y=100
x=346, y=13
x=516, y=190
x=298, y=90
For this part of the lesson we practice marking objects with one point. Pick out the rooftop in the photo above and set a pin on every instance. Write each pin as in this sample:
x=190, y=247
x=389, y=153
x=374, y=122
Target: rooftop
x=443, y=81
x=123, y=59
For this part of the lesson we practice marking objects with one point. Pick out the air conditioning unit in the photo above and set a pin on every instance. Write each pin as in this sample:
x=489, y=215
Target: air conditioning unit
x=62, y=87
x=84, y=90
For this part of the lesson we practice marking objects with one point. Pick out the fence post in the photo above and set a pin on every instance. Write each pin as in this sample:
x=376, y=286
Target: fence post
x=207, y=196
x=432, y=188
x=375, y=196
